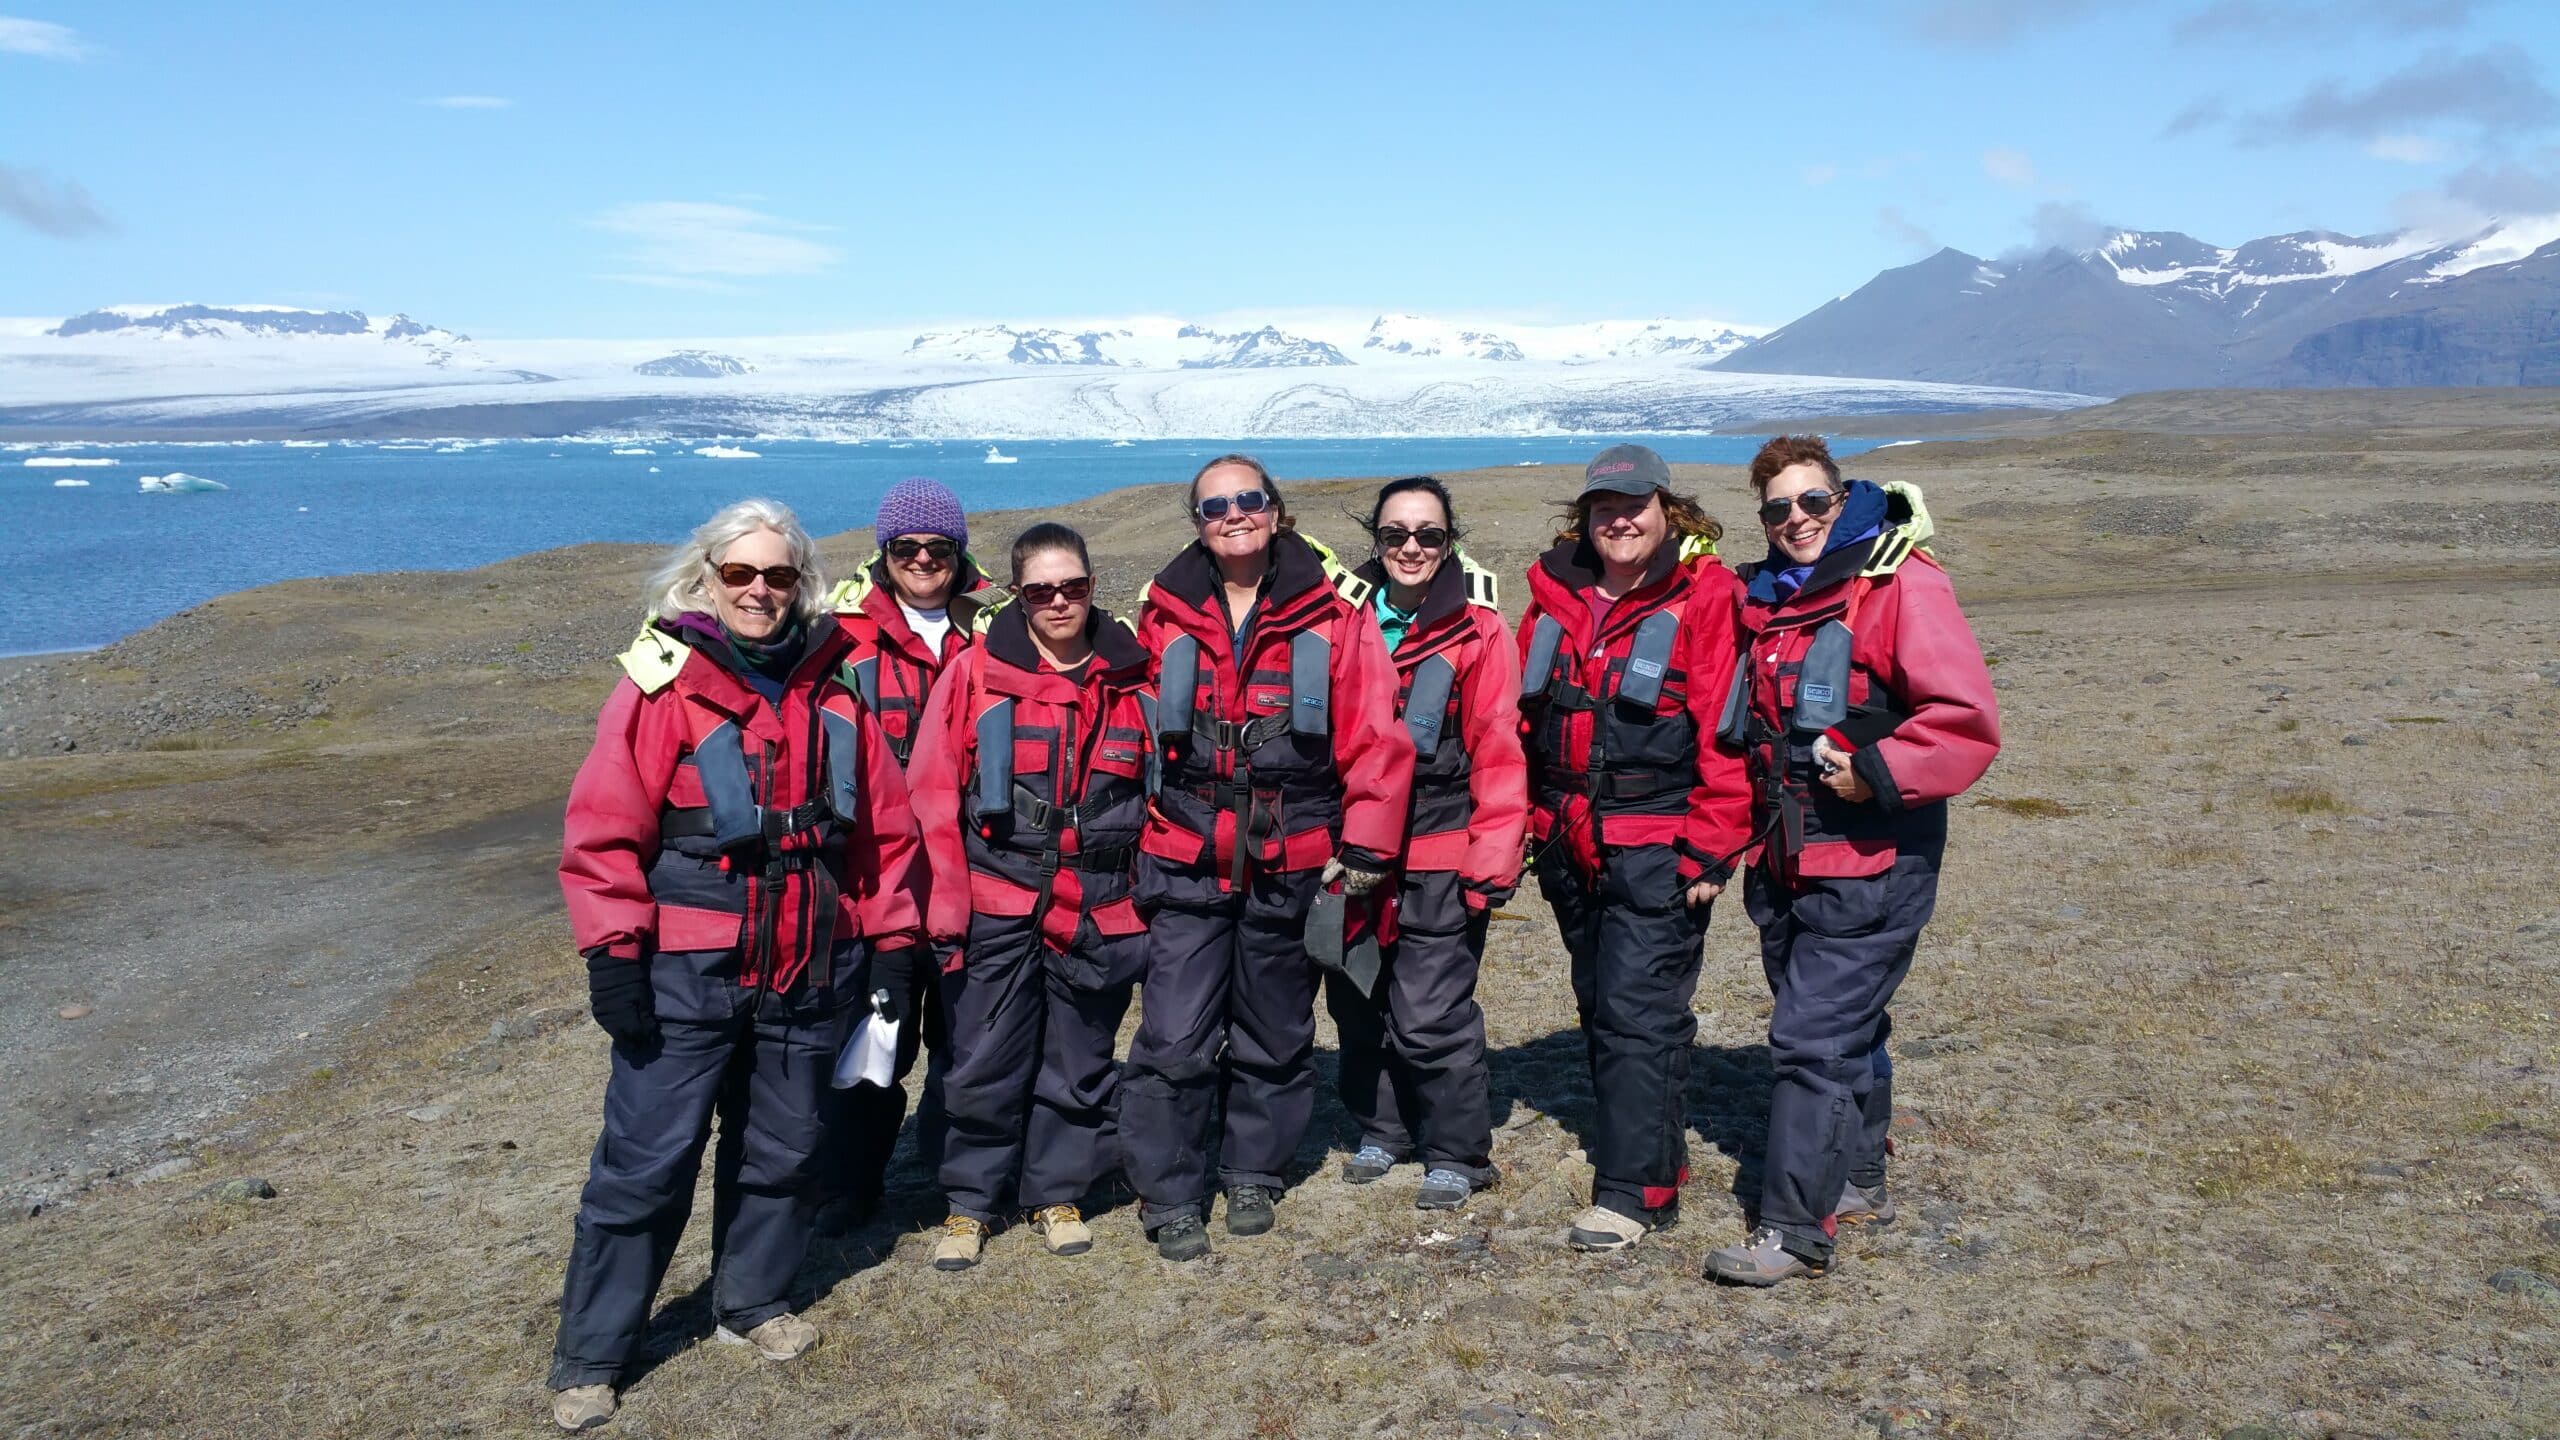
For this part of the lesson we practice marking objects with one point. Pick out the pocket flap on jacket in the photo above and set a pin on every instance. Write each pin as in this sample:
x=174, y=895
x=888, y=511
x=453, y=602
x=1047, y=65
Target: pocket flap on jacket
x=683, y=927
x=1118, y=918
x=991, y=896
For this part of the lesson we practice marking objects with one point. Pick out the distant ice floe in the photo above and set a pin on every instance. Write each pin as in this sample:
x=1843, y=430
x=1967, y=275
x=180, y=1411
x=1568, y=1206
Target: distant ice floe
x=1122, y=444
x=63, y=462
x=178, y=482
x=998, y=457
x=306, y=444
x=1889, y=444
x=635, y=452
x=653, y=469
x=68, y=483
x=725, y=452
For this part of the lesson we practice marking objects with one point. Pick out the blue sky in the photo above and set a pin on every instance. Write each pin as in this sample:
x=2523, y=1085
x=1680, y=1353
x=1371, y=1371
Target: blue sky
x=591, y=170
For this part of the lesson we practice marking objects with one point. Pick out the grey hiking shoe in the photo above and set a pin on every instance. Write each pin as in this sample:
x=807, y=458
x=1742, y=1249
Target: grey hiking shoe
x=1183, y=1237
x=1249, y=1210
x=1370, y=1165
x=1865, y=1205
x=1443, y=1190
x=1760, y=1262
x=582, y=1407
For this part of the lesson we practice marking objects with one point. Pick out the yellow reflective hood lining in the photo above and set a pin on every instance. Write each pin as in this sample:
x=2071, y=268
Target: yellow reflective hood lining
x=653, y=659
x=1693, y=546
x=1896, y=544
x=1482, y=589
x=1354, y=591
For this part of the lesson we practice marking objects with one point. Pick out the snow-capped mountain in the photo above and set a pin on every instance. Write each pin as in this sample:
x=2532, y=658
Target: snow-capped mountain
x=1415, y=336
x=1003, y=344
x=2149, y=310
x=203, y=322
x=695, y=365
x=1268, y=348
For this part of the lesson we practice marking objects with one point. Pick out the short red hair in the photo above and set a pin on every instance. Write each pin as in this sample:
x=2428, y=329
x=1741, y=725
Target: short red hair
x=1785, y=450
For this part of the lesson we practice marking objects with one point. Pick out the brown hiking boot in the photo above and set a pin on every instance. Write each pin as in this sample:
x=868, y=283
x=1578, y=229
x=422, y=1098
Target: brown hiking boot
x=962, y=1240
x=784, y=1337
x=1761, y=1261
x=583, y=1407
x=1062, y=1229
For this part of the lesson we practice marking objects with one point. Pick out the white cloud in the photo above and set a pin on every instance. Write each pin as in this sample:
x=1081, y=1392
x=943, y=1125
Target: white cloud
x=2407, y=149
x=469, y=102
x=60, y=208
x=2009, y=167
x=693, y=245
x=40, y=38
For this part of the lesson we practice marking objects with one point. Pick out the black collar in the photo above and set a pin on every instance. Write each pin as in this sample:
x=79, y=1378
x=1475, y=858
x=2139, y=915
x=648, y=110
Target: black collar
x=1009, y=640
x=1446, y=595
x=1192, y=575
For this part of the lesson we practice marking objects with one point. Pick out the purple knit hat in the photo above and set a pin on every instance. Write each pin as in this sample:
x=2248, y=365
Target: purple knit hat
x=920, y=507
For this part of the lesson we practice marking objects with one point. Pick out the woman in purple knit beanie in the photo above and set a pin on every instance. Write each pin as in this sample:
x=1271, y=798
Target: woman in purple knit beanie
x=920, y=507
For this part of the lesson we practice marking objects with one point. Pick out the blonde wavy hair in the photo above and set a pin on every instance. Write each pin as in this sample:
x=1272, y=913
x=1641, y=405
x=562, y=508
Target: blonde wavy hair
x=683, y=580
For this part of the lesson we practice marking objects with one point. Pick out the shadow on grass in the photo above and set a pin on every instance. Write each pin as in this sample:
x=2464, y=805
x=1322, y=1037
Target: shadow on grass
x=1727, y=1097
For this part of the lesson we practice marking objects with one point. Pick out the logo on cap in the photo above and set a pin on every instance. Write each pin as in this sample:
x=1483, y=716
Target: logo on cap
x=1614, y=467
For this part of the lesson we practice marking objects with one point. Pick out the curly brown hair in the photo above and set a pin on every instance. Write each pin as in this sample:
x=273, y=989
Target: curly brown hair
x=1785, y=450
x=1687, y=517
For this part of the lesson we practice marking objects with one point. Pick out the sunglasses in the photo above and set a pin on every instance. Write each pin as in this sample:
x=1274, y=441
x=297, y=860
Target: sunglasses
x=738, y=577
x=1816, y=504
x=1392, y=537
x=1245, y=502
x=910, y=549
x=1038, y=593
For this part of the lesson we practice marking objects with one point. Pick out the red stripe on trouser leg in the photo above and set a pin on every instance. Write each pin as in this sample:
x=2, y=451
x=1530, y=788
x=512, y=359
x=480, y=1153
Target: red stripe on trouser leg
x=1657, y=1196
x=1831, y=1226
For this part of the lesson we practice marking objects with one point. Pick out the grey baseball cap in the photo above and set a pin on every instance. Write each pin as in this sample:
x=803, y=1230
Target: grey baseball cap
x=1626, y=469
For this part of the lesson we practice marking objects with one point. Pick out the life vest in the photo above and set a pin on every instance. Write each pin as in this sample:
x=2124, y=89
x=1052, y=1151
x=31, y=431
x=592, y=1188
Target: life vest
x=1822, y=691
x=1267, y=782
x=893, y=684
x=1428, y=692
x=725, y=842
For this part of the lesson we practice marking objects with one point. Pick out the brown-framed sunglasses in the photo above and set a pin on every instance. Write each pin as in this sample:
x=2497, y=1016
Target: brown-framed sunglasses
x=1039, y=593
x=738, y=576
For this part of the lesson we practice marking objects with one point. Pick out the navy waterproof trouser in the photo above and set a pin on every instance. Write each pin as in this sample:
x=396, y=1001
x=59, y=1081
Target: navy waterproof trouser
x=863, y=1120
x=1636, y=948
x=1032, y=1085
x=1834, y=952
x=1414, y=1075
x=760, y=1063
x=1226, y=975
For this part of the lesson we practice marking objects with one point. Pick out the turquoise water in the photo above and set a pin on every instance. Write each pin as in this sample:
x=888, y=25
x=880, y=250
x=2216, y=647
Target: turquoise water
x=82, y=566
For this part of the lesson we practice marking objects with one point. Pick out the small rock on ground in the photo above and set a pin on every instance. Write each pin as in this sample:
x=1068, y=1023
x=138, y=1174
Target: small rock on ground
x=430, y=1114
x=245, y=1190
x=1505, y=1419
x=74, y=1012
x=169, y=1169
x=2528, y=1285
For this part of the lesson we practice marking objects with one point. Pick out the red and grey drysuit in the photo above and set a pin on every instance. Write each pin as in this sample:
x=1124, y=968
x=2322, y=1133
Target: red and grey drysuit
x=1632, y=801
x=1871, y=650
x=1413, y=1053
x=1031, y=785
x=894, y=670
x=1279, y=746
x=746, y=851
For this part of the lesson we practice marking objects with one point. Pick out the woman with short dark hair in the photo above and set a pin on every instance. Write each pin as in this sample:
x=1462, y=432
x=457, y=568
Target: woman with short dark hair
x=1865, y=705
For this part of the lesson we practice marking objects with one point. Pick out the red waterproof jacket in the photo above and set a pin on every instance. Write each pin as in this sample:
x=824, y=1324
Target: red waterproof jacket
x=1470, y=804
x=1069, y=819
x=1608, y=772
x=1239, y=784
x=891, y=667
x=1922, y=725
x=707, y=818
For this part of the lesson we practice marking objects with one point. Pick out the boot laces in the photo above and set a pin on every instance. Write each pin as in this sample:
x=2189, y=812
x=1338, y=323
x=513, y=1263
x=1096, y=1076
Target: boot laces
x=962, y=1225
x=1058, y=1215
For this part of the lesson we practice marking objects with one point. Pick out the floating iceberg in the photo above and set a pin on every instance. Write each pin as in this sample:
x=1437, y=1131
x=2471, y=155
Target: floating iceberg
x=635, y=452
x=178, y=482
x=63, y=462
x=67, y=483
x=998, y=457
x=306, y=444
x=1122, y=444
x=725, y=452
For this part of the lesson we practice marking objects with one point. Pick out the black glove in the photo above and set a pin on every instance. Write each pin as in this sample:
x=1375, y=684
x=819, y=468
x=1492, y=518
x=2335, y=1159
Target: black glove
x=618, y=994
x=893, y=972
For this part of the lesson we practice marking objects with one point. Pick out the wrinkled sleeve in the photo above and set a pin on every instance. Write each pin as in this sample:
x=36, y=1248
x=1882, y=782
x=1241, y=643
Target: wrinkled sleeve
x=1372, y=751
x=1544, y=819
x=1935, y=669
x=1719, y=820
x=1498, y=773
x=942, y=760
x=884, y=855
x=610, y=835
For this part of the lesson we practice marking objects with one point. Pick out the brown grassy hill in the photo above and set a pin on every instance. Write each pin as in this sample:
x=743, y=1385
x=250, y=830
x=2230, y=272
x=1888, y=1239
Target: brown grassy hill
x=2228, y=1067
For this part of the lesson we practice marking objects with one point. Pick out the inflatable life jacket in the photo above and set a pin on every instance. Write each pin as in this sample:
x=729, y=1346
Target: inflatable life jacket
x=893, y=681
x=727, y=842
x=1248, y=761
x=1431, y=694
x=1775, y=712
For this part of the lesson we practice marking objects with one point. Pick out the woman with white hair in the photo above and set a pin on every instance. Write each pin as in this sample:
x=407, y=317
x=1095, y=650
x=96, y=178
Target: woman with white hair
x=735, y=840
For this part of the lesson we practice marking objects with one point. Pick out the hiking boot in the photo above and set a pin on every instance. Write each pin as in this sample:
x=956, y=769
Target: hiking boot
x=784, y=1337
x=1369, y=1166
x=1249, y=1210
x=1062, y=1229
x=1865, y=1205
x=1601, y=1228
x=962, y=1240
x=583, y=1407
x=1761, y=1261
x=1183, y=1237
x=1443, y=1190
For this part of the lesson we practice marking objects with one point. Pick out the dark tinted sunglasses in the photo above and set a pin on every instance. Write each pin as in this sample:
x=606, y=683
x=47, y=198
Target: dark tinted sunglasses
x=1245, y=502
x=738, y=577
x=909, y=549
x=1816, y=503
x=1392, y=537
x=1038, y=594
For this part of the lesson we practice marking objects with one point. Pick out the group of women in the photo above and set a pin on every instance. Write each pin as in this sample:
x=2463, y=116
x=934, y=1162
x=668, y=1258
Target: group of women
x=921, y=795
